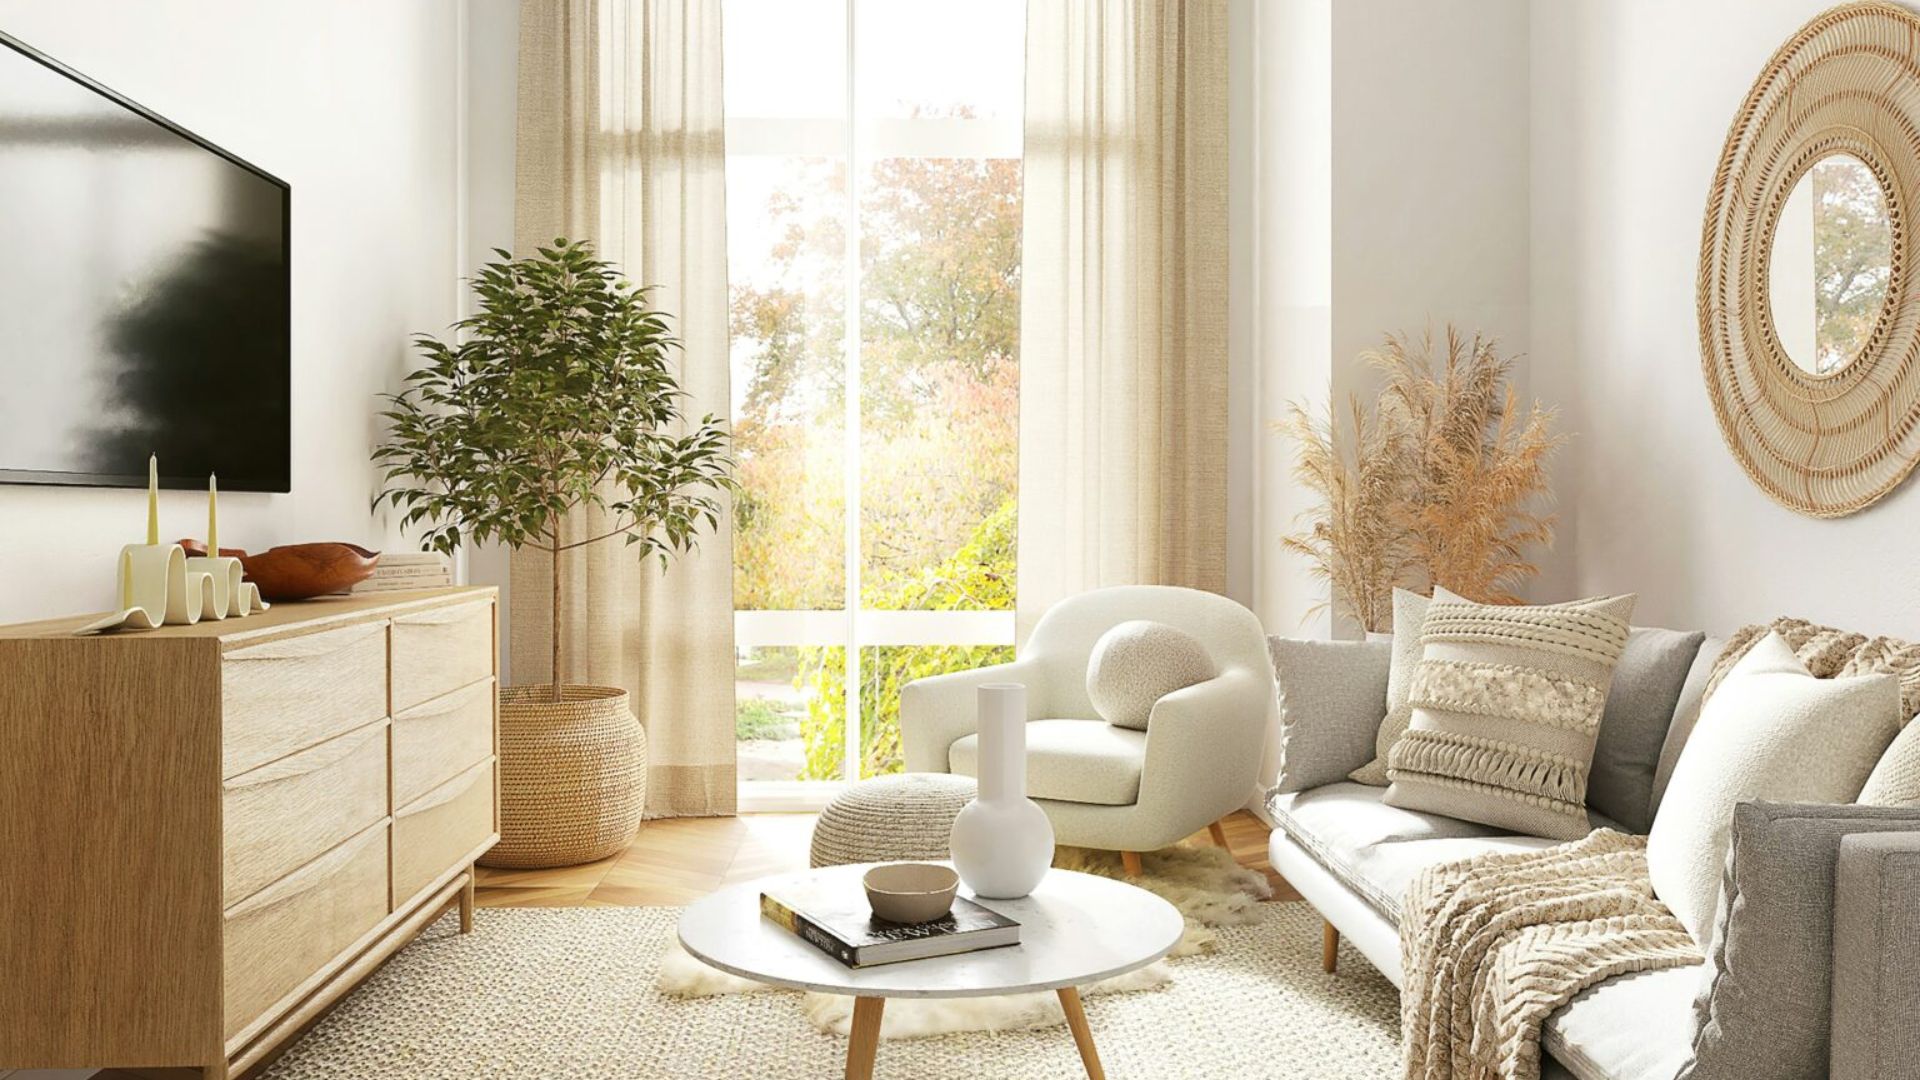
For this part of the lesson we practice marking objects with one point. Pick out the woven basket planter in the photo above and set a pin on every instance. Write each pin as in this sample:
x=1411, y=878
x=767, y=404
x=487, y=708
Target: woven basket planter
x=573, y=776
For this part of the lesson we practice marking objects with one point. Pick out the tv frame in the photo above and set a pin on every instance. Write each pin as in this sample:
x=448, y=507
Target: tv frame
x=137, y=480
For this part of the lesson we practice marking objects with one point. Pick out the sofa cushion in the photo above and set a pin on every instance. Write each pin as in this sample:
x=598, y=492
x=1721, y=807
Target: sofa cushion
x=1409, y=612
x=1686, y=713
x=1631, y=1027
x=1376, y=849
x=1083, y=761
x=1507, y=703
x=1332, y=696
x=1896, y=780
x=1765, y=1011
x=1771, y=731
x=1633, y=726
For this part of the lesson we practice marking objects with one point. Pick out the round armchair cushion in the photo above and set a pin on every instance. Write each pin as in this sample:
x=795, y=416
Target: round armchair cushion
x=1137, y=663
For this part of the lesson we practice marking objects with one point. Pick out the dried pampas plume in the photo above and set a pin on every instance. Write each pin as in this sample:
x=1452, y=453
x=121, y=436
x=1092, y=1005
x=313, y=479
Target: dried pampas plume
x=1440, y=485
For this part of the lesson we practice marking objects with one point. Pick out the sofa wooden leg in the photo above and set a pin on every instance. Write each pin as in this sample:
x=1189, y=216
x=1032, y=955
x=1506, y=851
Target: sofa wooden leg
x=1329, y=948
x=1219, y=835
x=1130, y=861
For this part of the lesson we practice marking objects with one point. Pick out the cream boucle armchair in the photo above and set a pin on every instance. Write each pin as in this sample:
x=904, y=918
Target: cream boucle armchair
x=1104, y=786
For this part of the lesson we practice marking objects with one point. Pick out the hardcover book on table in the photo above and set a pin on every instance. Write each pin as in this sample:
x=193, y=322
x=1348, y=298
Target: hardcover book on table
x=837, y=921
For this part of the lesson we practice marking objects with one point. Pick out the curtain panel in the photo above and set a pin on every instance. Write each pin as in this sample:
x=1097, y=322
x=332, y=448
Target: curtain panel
x=621, y=142
x=1123, y=306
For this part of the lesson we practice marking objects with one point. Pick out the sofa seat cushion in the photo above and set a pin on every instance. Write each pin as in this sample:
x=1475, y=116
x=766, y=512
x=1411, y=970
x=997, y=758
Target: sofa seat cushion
x=1630, y=1027
x=1079, y=761
x=1375, y=849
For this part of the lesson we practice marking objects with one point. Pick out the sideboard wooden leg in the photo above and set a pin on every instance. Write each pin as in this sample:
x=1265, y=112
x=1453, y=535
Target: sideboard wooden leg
x=1082, y=1034
x=1130, y=861
x=865, y=1039
x=466, y=904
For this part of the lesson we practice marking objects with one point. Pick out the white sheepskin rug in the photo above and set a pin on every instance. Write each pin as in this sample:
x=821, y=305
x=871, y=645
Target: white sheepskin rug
x=1205, y=883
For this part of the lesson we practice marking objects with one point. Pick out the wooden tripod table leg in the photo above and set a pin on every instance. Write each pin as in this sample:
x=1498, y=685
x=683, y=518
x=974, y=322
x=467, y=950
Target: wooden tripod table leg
x=866, y=1037
x=1082, y=1035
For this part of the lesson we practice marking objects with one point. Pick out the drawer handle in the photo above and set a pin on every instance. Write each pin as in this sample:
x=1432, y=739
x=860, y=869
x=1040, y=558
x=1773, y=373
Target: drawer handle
x=446, y=615
x=449, y=703
x=326, y=755
x=448, y=791
x=310, y=645
x=309, y=876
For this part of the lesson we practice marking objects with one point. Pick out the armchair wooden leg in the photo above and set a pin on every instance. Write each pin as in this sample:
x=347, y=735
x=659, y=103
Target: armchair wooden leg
x=1219, y=835
x=1130, y=861
x=1329, y=948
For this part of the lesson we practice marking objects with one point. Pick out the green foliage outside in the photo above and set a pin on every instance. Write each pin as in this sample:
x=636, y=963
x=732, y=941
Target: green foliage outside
x=978, y=576
x=757, y=718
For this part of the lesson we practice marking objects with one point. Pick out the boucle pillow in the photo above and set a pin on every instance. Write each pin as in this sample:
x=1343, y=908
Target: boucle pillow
x=1409, y=612
x=1506, y=705
x=1896, y=780
x=1769, y=731
x=1137, y=663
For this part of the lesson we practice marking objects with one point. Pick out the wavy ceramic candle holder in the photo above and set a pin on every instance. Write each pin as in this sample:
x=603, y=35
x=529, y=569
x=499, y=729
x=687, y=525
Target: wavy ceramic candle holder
x=159, y=585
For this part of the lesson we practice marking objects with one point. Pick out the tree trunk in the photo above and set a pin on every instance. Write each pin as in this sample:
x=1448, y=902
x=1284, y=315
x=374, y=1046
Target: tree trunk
x=554, y=683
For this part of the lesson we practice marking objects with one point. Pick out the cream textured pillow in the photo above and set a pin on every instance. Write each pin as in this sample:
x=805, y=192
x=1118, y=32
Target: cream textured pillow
x=1506, y=705
x=1409, y=612
x=1896, y=780
x=1137, y=663
x=1770, y=731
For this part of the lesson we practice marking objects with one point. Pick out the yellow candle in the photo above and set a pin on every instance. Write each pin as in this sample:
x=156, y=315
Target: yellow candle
x=153, y=498
x=213, y=516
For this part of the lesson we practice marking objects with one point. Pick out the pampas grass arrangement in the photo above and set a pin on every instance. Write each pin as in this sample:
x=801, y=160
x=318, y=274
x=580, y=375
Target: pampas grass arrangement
x=1439, y=484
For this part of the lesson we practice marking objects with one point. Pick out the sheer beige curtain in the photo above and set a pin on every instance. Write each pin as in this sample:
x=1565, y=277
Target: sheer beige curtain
x=1123, y=305
x=620, y=142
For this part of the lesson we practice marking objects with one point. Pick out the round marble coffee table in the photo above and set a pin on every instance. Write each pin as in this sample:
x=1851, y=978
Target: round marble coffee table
x=1075, y=929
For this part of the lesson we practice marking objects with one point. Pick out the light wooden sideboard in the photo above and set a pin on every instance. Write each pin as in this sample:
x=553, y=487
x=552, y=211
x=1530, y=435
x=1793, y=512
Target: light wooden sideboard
x=210, y=833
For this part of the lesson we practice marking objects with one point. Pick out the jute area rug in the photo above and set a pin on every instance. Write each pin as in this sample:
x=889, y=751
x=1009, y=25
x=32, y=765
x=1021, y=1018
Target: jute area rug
x=577, y=992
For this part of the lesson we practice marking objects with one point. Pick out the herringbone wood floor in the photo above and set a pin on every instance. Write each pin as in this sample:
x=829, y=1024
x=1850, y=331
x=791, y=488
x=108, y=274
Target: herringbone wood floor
x=678, y=860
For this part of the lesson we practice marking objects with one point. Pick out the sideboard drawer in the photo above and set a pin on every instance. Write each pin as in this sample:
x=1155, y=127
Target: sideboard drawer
x=440, y=650
x=282, y=815
x=435, y=741
x=284, y=934
x=440, y=831
x=298, y=692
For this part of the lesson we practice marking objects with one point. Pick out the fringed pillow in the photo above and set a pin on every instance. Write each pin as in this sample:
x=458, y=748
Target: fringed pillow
x=1506, y=707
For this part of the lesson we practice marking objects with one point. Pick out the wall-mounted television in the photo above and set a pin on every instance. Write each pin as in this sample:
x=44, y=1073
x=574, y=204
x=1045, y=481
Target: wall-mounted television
x=145, y=294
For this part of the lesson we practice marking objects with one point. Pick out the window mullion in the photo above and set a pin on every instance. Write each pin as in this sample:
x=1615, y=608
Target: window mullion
x=851, y=455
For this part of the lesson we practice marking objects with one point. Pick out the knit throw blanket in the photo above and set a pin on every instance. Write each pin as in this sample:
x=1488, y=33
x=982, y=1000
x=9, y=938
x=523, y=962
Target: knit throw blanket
x=1492, y=945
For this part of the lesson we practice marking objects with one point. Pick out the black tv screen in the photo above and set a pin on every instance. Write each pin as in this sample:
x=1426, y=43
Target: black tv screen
x=144, y=294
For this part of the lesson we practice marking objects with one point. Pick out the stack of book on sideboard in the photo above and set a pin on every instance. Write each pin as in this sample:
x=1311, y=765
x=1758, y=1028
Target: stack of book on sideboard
x=838, y=922
x=399, y=570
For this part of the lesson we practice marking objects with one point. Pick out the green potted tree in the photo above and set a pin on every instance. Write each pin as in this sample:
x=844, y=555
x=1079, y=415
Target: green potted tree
x=556, y=396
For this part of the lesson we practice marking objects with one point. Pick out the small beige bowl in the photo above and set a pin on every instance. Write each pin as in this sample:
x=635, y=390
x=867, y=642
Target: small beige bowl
x=911, y=892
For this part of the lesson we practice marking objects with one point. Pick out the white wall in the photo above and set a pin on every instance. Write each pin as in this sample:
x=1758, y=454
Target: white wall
x=1388, y=171
x=1631, y=102
x=353, y=103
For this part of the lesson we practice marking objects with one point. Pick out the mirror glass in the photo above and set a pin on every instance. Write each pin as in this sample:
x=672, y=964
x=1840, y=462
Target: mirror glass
x=1832, y=263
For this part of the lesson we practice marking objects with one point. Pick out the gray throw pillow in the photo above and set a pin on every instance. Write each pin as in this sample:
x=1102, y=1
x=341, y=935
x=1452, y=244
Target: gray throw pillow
x=1765, y=1009
x=1332, y=696
x=1686, y=713
x=1646, y=684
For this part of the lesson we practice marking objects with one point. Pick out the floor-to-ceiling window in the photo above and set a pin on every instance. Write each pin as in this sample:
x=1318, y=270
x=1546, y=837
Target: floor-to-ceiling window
x=873, y=219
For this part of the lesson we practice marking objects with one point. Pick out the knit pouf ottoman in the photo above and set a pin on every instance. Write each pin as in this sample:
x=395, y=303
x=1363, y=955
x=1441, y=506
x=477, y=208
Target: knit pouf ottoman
x=891, y=819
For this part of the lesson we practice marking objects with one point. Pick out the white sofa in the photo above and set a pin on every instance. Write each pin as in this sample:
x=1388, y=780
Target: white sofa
x=1351, y=856
x=1104, y=786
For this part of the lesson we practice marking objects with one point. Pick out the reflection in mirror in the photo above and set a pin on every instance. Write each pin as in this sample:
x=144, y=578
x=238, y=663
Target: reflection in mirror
x=1832, y=263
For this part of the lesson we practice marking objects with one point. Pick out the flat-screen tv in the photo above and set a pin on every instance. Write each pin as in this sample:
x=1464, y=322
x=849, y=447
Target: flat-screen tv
x=144, y=294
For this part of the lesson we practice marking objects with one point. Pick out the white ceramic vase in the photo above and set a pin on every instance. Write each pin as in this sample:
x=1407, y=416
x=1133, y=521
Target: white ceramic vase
x=1002, y=842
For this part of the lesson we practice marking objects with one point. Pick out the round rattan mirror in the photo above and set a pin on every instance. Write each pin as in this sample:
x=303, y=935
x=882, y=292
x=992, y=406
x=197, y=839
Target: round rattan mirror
x=1816, y=382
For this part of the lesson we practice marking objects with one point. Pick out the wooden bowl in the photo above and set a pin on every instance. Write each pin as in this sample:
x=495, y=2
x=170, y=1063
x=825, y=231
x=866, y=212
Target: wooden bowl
x=911, y=892
x=301, y=571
